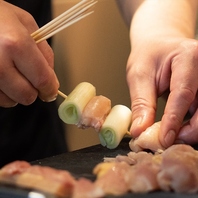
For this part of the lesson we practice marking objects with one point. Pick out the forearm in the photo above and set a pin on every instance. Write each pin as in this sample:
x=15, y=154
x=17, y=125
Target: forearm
x=128, y=8
x=164, y=18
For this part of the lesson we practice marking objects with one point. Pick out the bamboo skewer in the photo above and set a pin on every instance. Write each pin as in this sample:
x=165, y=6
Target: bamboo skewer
x=64, y=20
x=53, y=32
x=62, y=94
x=81, y=7
x=128, y=133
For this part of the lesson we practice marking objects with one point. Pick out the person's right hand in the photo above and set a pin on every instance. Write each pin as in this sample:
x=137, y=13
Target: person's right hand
x=26, y=68
x=157, y=65
x=164, y=58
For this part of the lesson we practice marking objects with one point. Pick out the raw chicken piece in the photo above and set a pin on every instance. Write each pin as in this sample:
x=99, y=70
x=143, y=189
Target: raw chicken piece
x=46, y=179
x=85, y=188
x=120, y=158
x=14, y=168
x=131, y=158
x=149, y=139
x=95, y=112
x=119, y=177
x=179, y=169
x=141, y=156
x=143, y=176
x=112, y=177
x=175, y=169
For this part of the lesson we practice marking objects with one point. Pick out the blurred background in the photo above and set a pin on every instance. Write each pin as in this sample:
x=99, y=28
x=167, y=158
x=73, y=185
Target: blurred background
x=94, y=50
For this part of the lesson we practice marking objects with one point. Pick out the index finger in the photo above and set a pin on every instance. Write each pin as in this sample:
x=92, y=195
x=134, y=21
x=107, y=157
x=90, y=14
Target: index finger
x=37, y=67
x=183, y=88
x=141, y=82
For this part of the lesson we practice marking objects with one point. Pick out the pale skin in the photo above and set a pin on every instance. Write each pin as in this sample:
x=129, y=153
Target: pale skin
x=26, y=68
x=164, y=57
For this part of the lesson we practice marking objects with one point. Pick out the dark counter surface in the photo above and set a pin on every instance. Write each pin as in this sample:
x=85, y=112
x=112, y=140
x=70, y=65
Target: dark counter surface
x=81, y=163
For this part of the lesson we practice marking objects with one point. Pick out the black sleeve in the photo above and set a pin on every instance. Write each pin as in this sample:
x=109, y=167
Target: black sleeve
x=39, y=9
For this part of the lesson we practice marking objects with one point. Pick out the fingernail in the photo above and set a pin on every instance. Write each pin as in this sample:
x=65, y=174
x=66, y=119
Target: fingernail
x=15, y=104
x=170, y=138
x=50, y=99
x=10, y=105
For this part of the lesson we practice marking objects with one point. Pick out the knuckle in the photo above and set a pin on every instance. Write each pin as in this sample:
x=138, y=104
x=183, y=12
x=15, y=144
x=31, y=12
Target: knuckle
x=29, y=21
x=190, y=47
x=8, y=42
x=28, y=98
x=135, y=72
x=173, y=118
x=186, y=94
x=12, y=43
x=28, y=18
x=187, y=51
x=47, y=85
x=141, y=104
x=190, y=44
x=26, y=95
x=42, y=82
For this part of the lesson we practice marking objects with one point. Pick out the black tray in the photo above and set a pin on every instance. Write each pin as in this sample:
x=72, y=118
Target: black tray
x=81, y=162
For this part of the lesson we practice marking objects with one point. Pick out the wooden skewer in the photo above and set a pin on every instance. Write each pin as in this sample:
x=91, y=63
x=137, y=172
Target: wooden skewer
x=62, y=94
x=52, y=33
x=66, y=19
x=62, y=22
x=73, y=12
x=128, y=133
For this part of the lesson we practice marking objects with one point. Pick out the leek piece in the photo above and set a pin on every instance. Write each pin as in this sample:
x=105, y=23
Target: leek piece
x=115, y=126
x=70, y=110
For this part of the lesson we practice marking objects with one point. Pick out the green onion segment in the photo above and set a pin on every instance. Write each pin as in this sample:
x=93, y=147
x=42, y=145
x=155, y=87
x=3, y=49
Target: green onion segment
x=115, y=126
x=71, y=109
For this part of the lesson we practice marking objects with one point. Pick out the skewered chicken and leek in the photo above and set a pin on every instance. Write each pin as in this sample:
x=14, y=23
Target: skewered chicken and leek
x=84, y=108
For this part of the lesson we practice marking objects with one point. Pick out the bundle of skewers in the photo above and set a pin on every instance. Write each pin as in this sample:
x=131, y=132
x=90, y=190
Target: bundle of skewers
x=66, y=19
x=82, y=107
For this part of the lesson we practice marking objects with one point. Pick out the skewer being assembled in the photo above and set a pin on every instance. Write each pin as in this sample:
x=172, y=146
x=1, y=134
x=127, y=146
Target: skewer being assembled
x=107, y=134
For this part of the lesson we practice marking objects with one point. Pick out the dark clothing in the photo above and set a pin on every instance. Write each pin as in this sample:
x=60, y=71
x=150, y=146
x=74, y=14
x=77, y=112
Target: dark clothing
x=30, y=132
x=35, y=131
x=39, y=9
